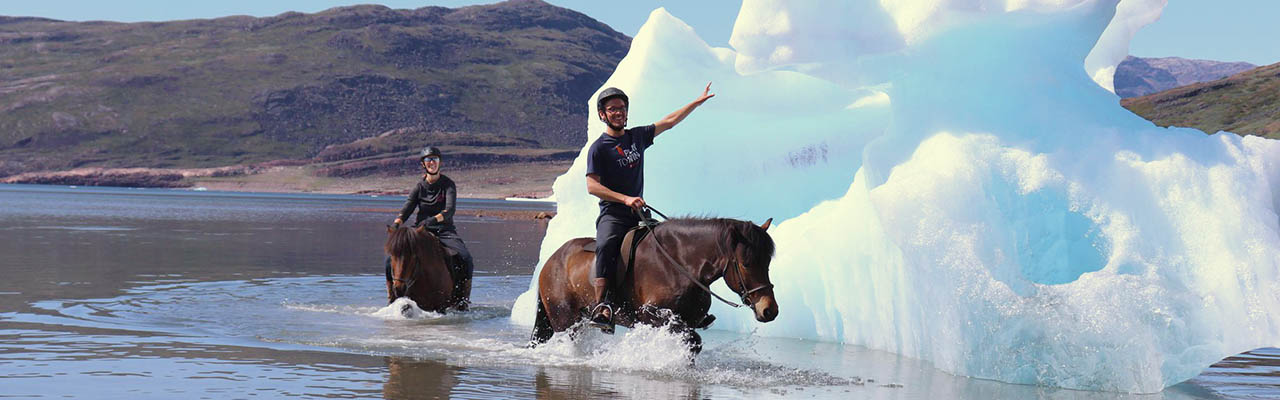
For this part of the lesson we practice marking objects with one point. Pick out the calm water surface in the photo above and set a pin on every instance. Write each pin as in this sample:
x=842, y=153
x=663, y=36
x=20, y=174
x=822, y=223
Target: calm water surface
x=143, y=293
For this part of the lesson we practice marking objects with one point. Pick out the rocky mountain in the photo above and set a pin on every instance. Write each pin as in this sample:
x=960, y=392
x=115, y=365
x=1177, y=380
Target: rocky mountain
x=1247, y=103
x=1142, y=76
x=241, y=90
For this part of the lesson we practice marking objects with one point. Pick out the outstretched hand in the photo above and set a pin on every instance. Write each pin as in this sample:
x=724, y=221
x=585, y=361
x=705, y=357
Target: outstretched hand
x=706, y=94
x=675, y=117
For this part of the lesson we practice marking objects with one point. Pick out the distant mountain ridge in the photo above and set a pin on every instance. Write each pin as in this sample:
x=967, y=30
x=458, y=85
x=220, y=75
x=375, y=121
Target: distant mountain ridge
x=1247, y=103
x=243, y=90
x=1142, y=76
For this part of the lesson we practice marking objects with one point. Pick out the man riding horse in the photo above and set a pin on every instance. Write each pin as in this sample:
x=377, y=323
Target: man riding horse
x=435, y=198
x=615, y=174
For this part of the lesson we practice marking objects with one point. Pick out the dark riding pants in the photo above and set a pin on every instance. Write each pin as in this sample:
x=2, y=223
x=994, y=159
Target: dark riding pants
x=451, y=240
x=612, y=224
x=454, y=242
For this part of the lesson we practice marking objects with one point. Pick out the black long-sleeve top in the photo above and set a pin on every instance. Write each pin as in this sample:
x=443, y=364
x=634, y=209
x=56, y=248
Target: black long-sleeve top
x=431, y=199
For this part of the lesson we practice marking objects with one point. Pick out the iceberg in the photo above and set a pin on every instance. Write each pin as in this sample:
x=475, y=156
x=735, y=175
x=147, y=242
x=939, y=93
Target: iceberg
x=954, y=181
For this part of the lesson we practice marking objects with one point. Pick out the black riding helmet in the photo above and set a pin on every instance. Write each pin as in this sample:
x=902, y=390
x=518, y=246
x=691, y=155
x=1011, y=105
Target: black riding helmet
x=610, y=93
x=430, y=151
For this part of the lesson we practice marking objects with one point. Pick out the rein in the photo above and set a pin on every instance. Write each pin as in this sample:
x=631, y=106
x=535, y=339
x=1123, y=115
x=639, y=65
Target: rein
x=741, y=283
x=417, y=270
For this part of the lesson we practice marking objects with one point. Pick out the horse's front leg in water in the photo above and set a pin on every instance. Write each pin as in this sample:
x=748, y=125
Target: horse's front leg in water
x=693, y=340
x=576, y=330
x=462, y=295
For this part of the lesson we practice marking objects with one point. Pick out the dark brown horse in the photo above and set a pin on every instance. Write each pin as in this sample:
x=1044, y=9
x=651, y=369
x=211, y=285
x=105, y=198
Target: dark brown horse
x=654, y=292
x=419, y=271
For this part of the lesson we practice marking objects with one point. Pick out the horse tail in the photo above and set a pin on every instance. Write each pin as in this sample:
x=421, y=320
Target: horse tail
x=542, y=330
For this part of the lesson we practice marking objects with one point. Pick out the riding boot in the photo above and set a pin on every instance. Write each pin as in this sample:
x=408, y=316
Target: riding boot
x=602, y=314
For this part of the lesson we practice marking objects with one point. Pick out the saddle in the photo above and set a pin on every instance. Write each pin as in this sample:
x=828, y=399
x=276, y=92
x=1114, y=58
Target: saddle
x=630, y=242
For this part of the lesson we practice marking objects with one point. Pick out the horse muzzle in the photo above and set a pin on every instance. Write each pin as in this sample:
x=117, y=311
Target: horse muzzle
x=398, y=291
x=766, y=308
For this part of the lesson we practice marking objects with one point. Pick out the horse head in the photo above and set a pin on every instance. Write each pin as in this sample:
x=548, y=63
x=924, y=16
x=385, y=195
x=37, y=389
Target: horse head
x=408, y=248
x=747, y=269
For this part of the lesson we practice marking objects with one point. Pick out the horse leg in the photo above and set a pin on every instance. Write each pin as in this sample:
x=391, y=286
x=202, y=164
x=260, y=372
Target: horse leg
x=575, y=331
x=462, y=294
x=391, y=297
x=693, y=340
x=391, y=293
x=542, y=330
x=655, y=316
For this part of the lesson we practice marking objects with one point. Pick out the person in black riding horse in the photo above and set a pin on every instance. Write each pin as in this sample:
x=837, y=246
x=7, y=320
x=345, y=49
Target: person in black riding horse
x=435, y=198
x=615, y=174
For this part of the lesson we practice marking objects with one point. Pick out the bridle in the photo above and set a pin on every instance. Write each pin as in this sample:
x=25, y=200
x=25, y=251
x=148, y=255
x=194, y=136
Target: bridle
x=412, y=279
x=409, y=282
x=742, y=283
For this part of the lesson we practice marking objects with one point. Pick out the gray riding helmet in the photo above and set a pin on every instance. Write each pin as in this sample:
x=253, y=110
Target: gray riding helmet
x=609, y=93
x=430, y=151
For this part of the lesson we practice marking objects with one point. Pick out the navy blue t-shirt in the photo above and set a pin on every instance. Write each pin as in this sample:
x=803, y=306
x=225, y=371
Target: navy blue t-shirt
x=620, y=161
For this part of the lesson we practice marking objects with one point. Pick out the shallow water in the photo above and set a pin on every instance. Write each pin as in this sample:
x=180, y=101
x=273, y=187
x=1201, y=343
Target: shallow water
x=138, y=293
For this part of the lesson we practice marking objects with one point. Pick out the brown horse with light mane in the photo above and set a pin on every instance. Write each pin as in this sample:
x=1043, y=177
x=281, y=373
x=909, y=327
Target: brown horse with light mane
x=653, y=291
x=419, y=271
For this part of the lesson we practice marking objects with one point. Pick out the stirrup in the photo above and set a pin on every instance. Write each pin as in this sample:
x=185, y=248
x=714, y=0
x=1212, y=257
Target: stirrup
x=598, y=319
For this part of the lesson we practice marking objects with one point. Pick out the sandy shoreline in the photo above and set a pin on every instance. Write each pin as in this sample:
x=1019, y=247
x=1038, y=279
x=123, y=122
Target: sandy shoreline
x=531, y=180
x=471, y=212
x=499, y=182
x=523, y=180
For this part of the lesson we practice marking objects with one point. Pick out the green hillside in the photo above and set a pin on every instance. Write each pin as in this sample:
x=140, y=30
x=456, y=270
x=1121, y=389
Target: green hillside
x=236, y=90
x=1247, y=103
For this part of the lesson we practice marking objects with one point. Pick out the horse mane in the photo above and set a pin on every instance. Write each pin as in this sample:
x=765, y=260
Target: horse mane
x=757, y=245
x=405, y=242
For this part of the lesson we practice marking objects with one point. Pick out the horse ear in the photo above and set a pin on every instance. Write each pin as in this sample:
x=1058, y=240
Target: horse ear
x=766, y=223
x=390, y=229
x=421, y=228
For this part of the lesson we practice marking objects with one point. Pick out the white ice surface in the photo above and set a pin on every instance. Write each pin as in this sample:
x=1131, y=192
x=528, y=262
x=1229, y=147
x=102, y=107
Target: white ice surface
x=953, y=181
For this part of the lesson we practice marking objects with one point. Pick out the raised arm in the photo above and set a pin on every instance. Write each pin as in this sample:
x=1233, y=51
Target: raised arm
x=678, y=115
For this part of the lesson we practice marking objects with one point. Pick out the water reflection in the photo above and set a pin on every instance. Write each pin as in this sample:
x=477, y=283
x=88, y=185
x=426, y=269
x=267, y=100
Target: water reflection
x=1250, y=375
x=408, y=379
x=555, y=383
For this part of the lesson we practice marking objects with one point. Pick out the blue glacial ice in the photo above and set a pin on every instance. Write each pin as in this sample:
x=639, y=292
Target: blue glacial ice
x=953, y=181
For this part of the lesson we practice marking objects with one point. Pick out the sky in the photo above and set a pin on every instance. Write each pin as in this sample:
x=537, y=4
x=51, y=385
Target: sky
x=1223, y=30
